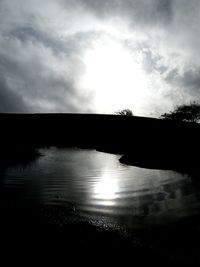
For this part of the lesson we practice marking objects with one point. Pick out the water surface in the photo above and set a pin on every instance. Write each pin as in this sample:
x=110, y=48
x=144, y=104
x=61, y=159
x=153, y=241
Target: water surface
x=95, y=184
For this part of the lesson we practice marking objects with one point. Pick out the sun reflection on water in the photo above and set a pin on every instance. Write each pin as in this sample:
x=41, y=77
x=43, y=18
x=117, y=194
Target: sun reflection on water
x=106, y=188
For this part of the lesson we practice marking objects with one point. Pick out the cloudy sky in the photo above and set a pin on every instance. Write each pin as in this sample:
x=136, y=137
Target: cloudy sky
x=99, y=55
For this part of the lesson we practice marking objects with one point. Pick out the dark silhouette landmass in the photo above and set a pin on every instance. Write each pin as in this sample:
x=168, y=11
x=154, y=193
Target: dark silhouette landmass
x=143, y=142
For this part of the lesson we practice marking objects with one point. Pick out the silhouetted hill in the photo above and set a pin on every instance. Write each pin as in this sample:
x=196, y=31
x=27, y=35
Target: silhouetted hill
x=139, y=138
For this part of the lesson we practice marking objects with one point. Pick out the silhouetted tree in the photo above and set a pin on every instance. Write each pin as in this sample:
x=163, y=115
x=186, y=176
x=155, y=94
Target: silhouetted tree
x=189, y=113
x=125, y=112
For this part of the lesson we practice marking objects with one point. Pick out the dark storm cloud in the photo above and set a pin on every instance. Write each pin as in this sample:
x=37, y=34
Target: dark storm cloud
x=42, y=44
x=74, y=43
x=42, y=66
x=138, y=11
x=188, y=81
x=27, y=58
x=29, y=34
x=42, y=88
x=9, y=100
x=191, y=80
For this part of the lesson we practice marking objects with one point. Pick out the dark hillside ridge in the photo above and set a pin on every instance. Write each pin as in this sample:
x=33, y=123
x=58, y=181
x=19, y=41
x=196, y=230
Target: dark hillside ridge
x=136, y=137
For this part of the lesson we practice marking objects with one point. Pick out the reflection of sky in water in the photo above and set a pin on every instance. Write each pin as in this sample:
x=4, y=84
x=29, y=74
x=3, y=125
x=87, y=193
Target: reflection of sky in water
x=106, y=188
x=96, y=183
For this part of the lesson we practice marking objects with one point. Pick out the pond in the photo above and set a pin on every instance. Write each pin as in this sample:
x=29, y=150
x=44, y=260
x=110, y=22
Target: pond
x=94, y=184
x=88, y=199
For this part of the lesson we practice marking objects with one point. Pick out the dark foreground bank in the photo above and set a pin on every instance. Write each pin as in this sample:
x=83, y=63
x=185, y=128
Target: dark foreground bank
x=38, y=235
x=56, y=233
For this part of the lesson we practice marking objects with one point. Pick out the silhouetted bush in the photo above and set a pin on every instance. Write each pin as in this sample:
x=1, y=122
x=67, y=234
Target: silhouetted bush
x=188, y=113
x=125, y=112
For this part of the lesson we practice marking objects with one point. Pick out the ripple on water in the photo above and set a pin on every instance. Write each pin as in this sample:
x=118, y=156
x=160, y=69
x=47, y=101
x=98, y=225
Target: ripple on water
x=96, y=183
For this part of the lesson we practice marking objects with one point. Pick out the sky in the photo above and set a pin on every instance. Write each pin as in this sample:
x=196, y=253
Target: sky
x=99, y=56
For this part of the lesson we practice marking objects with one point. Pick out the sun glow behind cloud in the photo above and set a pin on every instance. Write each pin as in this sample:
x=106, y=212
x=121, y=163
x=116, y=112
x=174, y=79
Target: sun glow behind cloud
x=115, y=76
x=115, y=54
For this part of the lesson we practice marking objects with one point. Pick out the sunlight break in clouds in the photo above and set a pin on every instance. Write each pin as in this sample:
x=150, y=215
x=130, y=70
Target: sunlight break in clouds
x=115, y=75
x=94, y=56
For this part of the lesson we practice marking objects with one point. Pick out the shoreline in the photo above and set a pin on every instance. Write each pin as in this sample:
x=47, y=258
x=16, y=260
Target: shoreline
x=145, y=142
